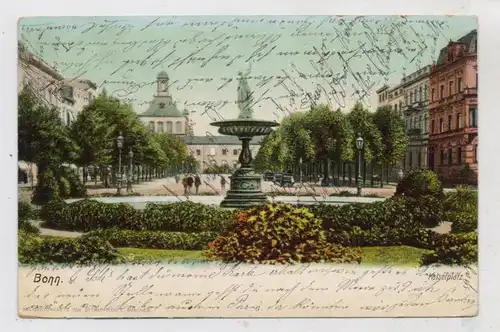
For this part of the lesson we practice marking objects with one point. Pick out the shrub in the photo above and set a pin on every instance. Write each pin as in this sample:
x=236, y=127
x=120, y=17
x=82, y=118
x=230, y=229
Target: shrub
x=420, y=182
x=156, y=239
x=47, y=188
x=86, y=249
x=77, y=188
x=464, y=222
x=464, y=199
x=64, y=188
x=186, y=217
x=427, y=210
x=278, y=233
x=454, y=249
x=466, y=175
x=24, y=211
x=87, y=215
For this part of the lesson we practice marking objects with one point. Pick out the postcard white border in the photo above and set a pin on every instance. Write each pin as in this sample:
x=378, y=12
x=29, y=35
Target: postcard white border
x=489, y=53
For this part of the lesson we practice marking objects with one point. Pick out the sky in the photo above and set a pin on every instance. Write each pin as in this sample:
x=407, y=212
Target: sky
x=292, y=61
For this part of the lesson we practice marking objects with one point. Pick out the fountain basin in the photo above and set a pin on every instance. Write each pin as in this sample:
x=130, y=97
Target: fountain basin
x=245, y=127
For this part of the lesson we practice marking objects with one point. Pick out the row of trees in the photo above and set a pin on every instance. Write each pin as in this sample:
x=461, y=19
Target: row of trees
x=325, y=136
x=91, y=140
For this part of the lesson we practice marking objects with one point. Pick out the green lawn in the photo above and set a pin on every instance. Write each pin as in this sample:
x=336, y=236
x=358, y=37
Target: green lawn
x=394, y=255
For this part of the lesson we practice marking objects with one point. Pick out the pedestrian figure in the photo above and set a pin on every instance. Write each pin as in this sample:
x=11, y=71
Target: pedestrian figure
x=190, y=182
x=197, y=183
x=185, y=184
x=222, y=184
x=177, y=178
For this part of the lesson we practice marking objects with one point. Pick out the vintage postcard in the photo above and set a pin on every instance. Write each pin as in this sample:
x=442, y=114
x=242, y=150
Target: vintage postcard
x=252, y=166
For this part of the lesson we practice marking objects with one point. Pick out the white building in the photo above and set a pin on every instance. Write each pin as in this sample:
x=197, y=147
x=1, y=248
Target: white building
x=416, y=88
x=218, y=150
x=163, y=114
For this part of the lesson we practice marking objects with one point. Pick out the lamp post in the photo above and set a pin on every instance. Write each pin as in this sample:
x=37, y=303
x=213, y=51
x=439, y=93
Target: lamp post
x=359, y=146
x=119, y=144
x=130, y=173
x=300, y=165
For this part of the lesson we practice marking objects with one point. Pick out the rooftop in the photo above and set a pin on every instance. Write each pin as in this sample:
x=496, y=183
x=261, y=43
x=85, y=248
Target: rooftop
x=163, y=106
x=469, y=41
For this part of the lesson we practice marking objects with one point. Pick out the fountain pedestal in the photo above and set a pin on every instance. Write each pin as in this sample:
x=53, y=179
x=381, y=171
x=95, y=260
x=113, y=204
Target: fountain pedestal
x=246, y=185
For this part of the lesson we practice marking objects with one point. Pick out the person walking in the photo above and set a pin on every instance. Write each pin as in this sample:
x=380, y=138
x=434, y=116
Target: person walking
x=197, y=183
x=185, y=184
x=177, y=178
x=190, y=182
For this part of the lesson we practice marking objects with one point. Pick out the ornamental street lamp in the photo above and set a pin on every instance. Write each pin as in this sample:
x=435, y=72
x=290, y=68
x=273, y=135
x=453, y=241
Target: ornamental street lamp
x=300, y=165
x=119, y=144
x=359, y=146
x=130, y=173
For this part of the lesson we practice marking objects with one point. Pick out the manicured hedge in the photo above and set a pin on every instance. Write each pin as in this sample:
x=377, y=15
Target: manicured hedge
x=87, y=249
x=87, y=215
x=156, y=239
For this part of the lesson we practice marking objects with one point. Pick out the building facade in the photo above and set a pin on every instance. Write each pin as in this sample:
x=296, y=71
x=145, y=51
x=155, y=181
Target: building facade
x=66, y=96
x=383, y=96
x=416, y=100
x=163, y=114
x=217, y=150
x=453, y=112
x=395, y=98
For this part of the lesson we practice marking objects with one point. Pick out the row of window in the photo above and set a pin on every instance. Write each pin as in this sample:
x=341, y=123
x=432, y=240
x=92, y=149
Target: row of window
x=224, y=162
x=452, y=89
x=459, y=123
x=224, y=152
x=417, y=123
x=448, y=160
x=160, y=126
x=416, y=94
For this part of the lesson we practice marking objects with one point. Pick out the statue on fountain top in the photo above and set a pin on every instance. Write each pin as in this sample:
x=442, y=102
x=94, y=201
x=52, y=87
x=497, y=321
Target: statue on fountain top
x=245, y=96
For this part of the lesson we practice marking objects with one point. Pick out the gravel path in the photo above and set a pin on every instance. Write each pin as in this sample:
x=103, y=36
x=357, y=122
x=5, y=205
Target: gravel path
x=443, y=228
x=53, y=232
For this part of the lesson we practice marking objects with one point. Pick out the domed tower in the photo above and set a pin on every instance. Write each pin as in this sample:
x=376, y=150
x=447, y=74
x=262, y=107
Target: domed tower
x=162, y=81
x=163, y=114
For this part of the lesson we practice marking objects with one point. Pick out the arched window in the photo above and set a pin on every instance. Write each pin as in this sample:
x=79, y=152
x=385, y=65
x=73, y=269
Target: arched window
x=450, y=157
x=178, y=127
x=160, y=126
x=420, y=96
x=169, y=127
x=151, y=126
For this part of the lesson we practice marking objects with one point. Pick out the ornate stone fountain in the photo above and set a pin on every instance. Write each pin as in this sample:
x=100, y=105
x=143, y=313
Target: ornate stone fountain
x=246, y=187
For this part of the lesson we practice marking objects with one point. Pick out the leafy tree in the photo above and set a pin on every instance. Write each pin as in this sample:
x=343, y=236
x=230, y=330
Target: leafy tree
x=362, y=123
x=94, y=137
x=272, y=154
x=332, y=136
x=42, y=138
x=122, y=119
x=175, y=150
x=297, y=139
x=394, y=138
